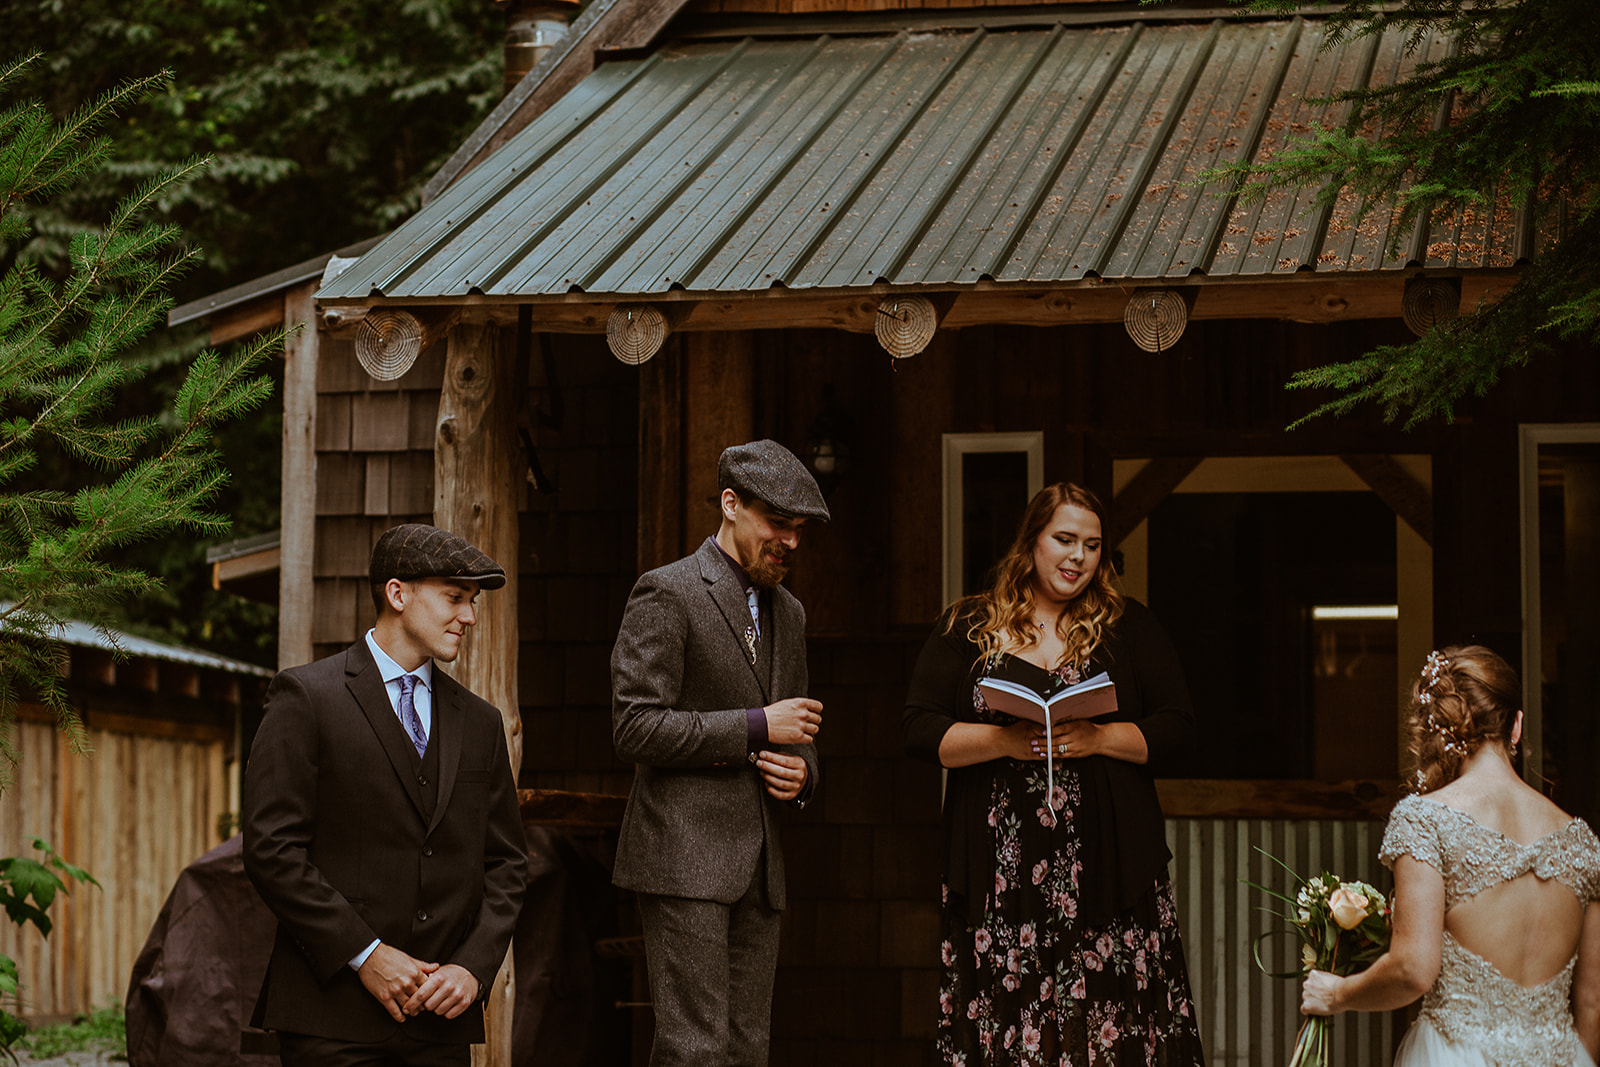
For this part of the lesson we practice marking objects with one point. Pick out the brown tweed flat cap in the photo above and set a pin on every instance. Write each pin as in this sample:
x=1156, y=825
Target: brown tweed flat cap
x=417, y=550
x=775, y=476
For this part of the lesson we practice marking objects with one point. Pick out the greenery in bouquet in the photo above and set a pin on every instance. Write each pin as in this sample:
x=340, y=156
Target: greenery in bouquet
x=1343, y=926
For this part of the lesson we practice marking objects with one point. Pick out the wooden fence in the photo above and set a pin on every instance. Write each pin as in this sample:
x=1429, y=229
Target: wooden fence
x=1246, y=1018
x=133, y=815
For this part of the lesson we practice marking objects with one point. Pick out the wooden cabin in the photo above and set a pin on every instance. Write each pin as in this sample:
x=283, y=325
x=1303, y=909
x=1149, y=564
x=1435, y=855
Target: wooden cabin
x=159, y=788
x=948, y=253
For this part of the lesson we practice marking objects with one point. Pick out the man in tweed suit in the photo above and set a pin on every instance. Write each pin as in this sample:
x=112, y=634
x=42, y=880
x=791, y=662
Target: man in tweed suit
x=709, y=690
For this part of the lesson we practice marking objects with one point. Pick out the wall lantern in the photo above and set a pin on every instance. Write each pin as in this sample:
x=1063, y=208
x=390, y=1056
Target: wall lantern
x=828, y=443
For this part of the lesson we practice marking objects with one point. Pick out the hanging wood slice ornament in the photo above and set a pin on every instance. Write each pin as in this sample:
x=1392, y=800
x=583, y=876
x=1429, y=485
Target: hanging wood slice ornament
x=635, y=332
x=1155, y=318
x=388, y=342
x=905, y=325
x=1428, y=302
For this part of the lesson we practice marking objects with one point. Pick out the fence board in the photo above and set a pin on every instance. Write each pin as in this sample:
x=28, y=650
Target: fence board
x=134, y=814
x=1246, y=1018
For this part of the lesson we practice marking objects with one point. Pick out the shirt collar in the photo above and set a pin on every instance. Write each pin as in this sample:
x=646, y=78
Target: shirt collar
x=390, y=670
x=735, y=567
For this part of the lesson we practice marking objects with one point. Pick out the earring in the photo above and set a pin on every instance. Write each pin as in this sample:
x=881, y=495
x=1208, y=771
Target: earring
x=1513, y=750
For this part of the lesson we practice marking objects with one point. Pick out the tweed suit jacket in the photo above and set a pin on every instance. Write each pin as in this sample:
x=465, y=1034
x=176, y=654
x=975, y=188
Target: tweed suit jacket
x=340, y=844
x=699, y=818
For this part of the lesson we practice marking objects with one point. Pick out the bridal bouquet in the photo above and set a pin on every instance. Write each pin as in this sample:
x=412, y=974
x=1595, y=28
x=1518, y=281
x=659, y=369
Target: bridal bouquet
x=1343, y=926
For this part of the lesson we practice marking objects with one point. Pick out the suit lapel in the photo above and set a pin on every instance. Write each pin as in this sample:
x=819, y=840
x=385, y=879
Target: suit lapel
x=366, y=687
x=728, y=595
x=447, y=734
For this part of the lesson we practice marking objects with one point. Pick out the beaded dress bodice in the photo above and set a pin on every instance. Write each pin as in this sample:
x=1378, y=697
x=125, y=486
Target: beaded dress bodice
x=1471, y=1001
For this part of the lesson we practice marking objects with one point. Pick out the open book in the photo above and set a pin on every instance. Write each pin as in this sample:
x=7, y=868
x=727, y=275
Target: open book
x=1091, y=697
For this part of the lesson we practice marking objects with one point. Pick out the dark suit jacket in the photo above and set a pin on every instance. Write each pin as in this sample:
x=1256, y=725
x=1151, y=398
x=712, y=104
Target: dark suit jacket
x=338, y=843
x=699, y=817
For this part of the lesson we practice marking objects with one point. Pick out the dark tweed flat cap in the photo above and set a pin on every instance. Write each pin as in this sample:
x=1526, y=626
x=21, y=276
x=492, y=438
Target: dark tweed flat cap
x=417, y=550
x=775, y=476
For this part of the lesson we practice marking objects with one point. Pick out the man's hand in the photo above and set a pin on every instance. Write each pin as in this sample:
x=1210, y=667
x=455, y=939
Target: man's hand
x=449, y=991
x=392, y=976
x=794, y=721
x=785, y=775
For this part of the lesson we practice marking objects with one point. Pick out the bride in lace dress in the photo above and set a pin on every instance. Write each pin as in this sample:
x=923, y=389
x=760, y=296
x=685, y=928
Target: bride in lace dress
x=1497, y=892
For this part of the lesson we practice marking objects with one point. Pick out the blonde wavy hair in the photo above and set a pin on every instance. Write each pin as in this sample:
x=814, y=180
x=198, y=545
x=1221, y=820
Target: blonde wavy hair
x=1465, y=696
x=1002, y=615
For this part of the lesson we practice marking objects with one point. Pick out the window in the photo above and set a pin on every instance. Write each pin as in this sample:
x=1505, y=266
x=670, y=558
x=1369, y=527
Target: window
x=988, y=480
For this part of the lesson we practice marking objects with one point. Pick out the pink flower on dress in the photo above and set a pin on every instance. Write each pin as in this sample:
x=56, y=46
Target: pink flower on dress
x=946, y=1007
x=1047, y=988
x=947, y=953
x=1128, y=938
x=1026, y=936
x=1093, y=962
x=1011, y=983
x=1108, y=1033
x=1030, y=1037
x=1104, y=945
x=972, y=1011
x=981, y=939
x=1011, y=1035
x=1077, y=991
x=1141, y=979
x=1040, y=869
x=999, y=883
x=1013, y=961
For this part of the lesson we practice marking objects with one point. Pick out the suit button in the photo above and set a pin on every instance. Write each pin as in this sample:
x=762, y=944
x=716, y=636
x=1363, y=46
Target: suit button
x=422, y=781
x=427, y=851
x=422, y=916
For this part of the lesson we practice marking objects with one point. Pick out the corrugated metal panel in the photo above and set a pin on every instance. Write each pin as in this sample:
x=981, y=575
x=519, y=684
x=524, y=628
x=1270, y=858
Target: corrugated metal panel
x=84, y=635
x=1035, y=155
x=1246, y=1018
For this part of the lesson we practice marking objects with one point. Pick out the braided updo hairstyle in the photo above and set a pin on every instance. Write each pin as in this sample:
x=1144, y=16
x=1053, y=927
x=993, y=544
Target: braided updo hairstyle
x=1466, y=695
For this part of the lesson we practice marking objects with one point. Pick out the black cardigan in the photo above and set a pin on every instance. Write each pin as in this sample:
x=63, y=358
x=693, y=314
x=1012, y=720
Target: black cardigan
x=1124, y=837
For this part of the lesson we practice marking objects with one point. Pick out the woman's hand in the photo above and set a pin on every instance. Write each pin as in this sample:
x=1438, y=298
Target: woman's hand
x=1022, y=740
x=1320, y=994
x=1072, y=739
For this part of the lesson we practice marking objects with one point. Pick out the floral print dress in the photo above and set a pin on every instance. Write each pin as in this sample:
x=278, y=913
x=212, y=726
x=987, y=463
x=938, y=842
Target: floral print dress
x=1032, y=984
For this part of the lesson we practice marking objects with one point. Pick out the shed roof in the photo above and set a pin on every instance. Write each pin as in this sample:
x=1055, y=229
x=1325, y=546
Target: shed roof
x=1039, y=153
x=87, y=635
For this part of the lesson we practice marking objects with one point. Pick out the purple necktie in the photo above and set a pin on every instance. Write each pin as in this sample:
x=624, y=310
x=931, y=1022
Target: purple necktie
x=408, y=713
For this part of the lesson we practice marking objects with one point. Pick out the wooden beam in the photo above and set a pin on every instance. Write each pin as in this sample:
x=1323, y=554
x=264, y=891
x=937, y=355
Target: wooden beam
x=1148, y=488
x=1206, y=798
x=297, y=542
x=1396, y=488
x=1300, y=298
x=477, y=490
x=258, y=316
x=555, y=807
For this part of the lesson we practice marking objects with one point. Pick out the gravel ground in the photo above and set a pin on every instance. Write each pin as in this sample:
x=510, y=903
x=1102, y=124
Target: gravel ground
x=73, y=1059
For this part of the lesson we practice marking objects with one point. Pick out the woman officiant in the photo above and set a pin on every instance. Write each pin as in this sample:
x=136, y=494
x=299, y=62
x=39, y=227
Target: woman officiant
x=1060, y=934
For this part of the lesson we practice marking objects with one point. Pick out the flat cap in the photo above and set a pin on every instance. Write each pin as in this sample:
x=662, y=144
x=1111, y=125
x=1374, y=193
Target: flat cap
x=417, y=550
x=775, y=476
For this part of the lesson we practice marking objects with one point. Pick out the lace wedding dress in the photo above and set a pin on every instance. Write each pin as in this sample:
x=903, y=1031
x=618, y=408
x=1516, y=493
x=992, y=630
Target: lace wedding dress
x=1474, y=1016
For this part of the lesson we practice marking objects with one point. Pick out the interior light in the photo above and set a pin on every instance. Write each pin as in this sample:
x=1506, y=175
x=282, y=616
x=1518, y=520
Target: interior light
x=1356, y=611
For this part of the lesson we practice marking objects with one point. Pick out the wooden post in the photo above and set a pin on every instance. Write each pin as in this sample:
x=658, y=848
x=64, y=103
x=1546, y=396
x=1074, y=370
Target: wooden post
x=661, y=458
x=719, y=387
x=476, y=492
x=296, y=586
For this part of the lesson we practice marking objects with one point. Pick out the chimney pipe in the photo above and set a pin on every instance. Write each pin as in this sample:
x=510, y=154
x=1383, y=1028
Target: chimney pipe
x=532, y=28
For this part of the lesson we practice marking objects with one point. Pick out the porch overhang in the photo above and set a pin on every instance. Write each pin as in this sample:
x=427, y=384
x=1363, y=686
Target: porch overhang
x=1037, y=171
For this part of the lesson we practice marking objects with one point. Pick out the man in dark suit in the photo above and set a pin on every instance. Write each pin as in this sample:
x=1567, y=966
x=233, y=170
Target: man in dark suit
x=709, y=688
x=381, y=827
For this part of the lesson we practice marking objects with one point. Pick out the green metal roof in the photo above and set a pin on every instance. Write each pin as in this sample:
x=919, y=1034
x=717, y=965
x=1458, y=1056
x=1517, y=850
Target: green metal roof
x=1033, y=154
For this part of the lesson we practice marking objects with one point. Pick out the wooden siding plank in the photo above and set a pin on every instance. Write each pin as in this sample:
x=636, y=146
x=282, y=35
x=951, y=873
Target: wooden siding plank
x=299, y=508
